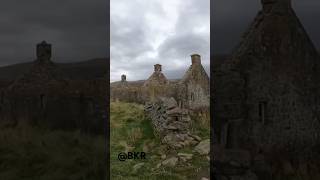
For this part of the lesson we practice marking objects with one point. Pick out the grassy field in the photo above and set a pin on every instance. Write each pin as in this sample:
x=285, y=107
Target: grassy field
x=29, y=153
x=132, y=131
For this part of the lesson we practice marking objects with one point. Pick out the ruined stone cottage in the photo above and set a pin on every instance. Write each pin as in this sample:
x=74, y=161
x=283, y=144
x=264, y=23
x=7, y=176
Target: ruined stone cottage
x=42, y=96
x=194, y=87
x=157, y=78
x=266, y=95
x=191, y=92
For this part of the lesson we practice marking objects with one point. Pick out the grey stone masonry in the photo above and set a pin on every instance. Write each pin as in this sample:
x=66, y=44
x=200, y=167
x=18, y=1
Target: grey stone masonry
x=171, y=123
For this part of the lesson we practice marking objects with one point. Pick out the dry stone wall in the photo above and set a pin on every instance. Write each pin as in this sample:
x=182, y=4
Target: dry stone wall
x=171, y=123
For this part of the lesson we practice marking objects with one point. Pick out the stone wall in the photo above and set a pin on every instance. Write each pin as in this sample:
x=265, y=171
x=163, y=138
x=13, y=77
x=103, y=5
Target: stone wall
x=171, y=123
x=69, y=108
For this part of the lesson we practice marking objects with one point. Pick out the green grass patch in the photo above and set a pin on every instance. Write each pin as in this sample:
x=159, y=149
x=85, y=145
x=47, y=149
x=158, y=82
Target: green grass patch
x=132, y=131
x=29, y=153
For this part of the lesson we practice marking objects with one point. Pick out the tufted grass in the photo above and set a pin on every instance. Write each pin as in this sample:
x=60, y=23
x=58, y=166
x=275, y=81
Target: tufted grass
x=30, y=153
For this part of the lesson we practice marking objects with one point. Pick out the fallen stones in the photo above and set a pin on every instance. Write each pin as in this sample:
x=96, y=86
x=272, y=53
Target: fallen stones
x=177, y=141
x=185, y=156
x=171, y=162
x=180, y=158
x=196, y=137
x=203, y=148
x=163, y=156
x=159, y=165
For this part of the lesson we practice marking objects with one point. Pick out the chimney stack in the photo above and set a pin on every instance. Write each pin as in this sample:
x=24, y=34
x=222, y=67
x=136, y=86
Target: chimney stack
x=279, y=6
x=195, y=59
x=44, y=51
x=123, y=78
x=157, y=68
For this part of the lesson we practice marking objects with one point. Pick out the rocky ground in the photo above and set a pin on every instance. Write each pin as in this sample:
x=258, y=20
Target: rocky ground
x=131, y=130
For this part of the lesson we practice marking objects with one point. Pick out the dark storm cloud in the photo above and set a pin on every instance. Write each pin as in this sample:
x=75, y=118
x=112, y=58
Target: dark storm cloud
x=230, y=19
x=308, y=13
x=145, y=32
x=76, y=28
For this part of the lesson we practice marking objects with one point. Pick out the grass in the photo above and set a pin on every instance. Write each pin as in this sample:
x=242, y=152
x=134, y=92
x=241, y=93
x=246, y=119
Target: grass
x=132, y=131
x=30, y=153
x=200, y=124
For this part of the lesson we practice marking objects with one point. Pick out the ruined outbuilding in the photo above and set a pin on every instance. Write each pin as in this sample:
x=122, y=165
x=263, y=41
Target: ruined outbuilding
x=43, y=97
x=194, y=87
x=266, y=95
x=157, y=78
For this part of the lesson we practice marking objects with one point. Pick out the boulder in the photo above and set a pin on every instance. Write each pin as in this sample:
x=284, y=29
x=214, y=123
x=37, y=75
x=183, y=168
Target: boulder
x=163, y=156
x=196, y=137
x=185, y=156
x=169, y=102
x=171, y=162
x=203, y=148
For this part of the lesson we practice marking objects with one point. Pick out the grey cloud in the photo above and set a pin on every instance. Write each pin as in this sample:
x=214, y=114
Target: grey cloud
x=130, y=49
x=193, y=14
x=184, y=44
x=186, y=40
x=76, y=28
x=130, y=43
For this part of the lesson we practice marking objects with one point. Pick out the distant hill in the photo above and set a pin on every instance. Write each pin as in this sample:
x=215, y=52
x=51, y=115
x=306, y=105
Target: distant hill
x=11, y=72
x=90, y=69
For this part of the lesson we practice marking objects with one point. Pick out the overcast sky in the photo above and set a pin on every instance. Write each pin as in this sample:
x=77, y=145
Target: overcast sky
x=143, y=32
x=77, y=29
x=231, y=18
x=147, y=32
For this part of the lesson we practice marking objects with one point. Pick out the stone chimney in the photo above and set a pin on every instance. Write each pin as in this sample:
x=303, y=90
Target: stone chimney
x=195, y=59
x=279, y=6
x=44, y=51
x=157, y=68
x=123, y=78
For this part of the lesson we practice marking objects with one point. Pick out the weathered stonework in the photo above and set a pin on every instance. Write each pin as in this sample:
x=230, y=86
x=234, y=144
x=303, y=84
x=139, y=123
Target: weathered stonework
x=171, y=123
x=266, y=95
x=42, y=97
x=266, y=101
x=191, y=92
x=157, y=78
x=195, y=85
